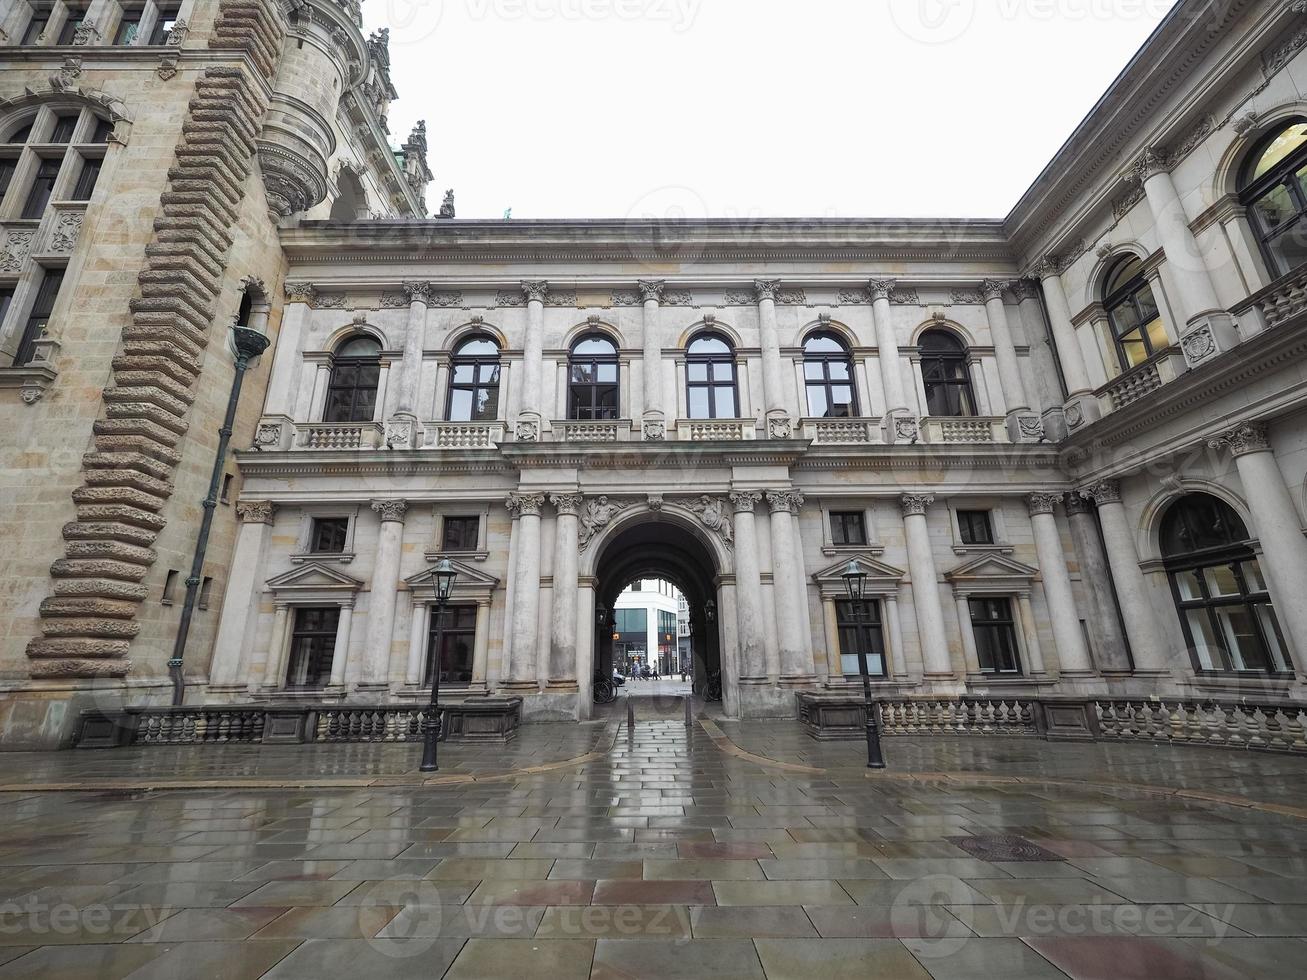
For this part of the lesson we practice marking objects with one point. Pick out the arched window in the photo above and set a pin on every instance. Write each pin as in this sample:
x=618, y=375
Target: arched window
x=828, y=377
x=474, y=381
x=592, y=391
x=355, y=373
x=1132, y=310
x=1274, y=190
x=710, y=378
x=51, y=154
x=946, y=376
x=1220, y=592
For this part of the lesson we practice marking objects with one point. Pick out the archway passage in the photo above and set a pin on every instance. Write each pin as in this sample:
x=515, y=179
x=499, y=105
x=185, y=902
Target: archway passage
x=661, y=549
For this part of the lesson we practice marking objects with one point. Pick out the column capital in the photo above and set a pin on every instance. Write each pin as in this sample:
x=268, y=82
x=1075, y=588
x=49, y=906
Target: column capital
x=915, y=504
x=992, y=289
x=525, y=504
x=299, y=292
x=418, y=292
x=881, y=288
x=1250, y=437
x=391, y=510
x=1024, y=288
x=1043, y=503
x=651, y=290
x=787, y=501
x=745, y=500
x=1102, y=492
x=567, y=504
x=1151, y=162
x=1076, y=504
x=765, y=289
x=1048, y=267
x=255, y=511
x=535, y=291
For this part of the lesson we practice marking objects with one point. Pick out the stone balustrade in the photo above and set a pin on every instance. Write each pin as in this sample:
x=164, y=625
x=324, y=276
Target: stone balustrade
x=462, y=435
x=339, y=435
x=842, y=432
x=716, y=430
x=960, y=431
x=613, y=430
x=1284, y=299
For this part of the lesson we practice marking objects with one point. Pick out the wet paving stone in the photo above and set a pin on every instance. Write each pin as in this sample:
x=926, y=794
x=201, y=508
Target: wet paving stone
x=666, y=855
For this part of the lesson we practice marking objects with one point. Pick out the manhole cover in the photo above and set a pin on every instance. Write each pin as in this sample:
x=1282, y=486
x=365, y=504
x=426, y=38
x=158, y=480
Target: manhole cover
x=1003, y=849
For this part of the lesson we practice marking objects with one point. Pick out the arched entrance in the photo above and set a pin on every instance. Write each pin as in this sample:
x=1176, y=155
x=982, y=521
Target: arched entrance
x=663, y=547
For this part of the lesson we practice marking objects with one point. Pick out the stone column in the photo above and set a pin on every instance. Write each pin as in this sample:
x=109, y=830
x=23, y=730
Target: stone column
x=526, y=592
x=787, y=566
x=340, y=652
x=417, y=642
x=230, y=664
x=481, y=646
x=779, y=423
x=925, y=588
x=831, y=630
x=385, y=587
x=1277, y=526
x=402, y=427
x=1207, y=328
x=894, y=638
x=1081, y=405
x=1104, y=623
x=284, y=380
x=318, y=399
x=1048, y=389
x=1147, y=640
x=1023, y=425
x=562, y=644
x=969, y=653
x=887, y=347
x=274, y=668
x=748, y=589
x=651, y=364
x=1030, y=630
x=532, y=412
x=1072, y=654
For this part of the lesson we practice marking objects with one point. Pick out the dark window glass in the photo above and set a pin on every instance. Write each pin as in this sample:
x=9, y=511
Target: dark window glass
x=329, y=535
x=128, y=28
x=1219, y=590
x=1132, y=310
x=460, y=534
x=946, y=377
x=848, y=527
x=592, y=391
x=37, y=320
x=35, y=27
x=474, y=381
x=458, y=629
x=860, y=632
x=86, y=180
x=6, y=300
x=974, y=527
x=64, y=126
x=21, y=134
x=69, y=30
x=103, y=130
x=828, y=377
x=355, y=374
x=996, y=636
x=312, y=644
x=710, y=378
x=7, y=167
x=166, y=22
x=38, y=196
x=1275, y=193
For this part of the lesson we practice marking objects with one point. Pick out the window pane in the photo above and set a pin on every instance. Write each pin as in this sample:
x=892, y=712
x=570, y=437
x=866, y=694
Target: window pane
x=329, y=535
x=842, y=396
x=1288, y=249
x=1271, y=634
x=607, y=374
x=697, y=371
x=1204, y=639
x=1133, y=350
x=698, y=403
x=723, y=371
x=487, y=405
x=1286, y=143
x=464, y=374
x=1156, y=334
x=817, y=404
x=1187, y=584
x=86, y=181
x=42, y=185
x=1275, y=208
x=725, y=403
x=488, y=374
x=1252, y=576
x=63, y=129
x=7, y=168
x=1221, y=582
x=839, y=370
x=460, y=405
x=1241, y=638
x=814, y=370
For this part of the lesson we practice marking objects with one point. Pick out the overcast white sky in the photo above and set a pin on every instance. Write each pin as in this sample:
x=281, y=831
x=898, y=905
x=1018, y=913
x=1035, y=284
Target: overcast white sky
x=839, y=108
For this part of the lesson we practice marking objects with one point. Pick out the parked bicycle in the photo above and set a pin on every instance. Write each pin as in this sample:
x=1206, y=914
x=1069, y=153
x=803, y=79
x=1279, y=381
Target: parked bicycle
x=605, y=692
x=713, y=689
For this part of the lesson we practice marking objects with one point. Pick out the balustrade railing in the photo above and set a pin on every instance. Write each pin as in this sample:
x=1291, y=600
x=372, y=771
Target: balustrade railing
x=842, y=432
x=960, y=431
x=463, y=435
x=339, y=435
x=1235, y=724
x=1284, y=299
x=715, y=430
x=960, y=716
x=573, y=430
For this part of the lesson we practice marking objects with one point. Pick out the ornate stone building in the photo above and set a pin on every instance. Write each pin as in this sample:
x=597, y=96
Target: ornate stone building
x=1069, y=446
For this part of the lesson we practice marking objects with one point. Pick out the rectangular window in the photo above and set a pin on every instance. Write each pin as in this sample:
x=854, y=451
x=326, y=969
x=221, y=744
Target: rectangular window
x=164, y=25
x=329, y=535
x=206, y=592
x=974, y=527
x=6, y=300
x=457, y=636
x=860, y=632
x=64, y=127
x=86, y=180
x=312, y=645
x=71, y=23
x=996, y=636
x=40, y=315
x=35, y=28
x=103, y=130
x=128, y=28
x=7, y=167
x=38, y=195
x=848, y=528
x=169, y=586
x=226, y=488
x=460, y=534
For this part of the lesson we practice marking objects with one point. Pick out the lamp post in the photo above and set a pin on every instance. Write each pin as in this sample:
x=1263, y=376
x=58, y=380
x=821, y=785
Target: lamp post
x=855, y=582
x=248, y=345
x=442, y=577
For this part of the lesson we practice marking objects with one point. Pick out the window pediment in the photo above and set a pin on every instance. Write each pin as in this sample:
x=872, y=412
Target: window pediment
x=882, y=579
x=315, y=581
x=993, y=573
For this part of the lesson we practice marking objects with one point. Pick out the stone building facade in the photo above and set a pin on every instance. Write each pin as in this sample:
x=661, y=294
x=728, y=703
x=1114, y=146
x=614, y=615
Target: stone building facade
x=1068, y=446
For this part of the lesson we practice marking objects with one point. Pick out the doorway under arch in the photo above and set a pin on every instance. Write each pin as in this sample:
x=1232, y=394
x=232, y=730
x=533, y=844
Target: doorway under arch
x=663, y=549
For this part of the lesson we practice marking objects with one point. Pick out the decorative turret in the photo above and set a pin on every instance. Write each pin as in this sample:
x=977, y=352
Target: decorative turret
x=414, y=156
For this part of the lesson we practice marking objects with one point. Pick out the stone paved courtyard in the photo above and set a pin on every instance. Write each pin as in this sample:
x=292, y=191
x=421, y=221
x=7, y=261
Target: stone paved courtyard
x=724, y=850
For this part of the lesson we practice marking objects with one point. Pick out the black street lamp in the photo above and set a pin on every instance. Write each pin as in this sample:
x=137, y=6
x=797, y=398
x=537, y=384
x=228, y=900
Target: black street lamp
x=442, y=577
x=709, y=612
x=855, y=582
x=248, y=345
